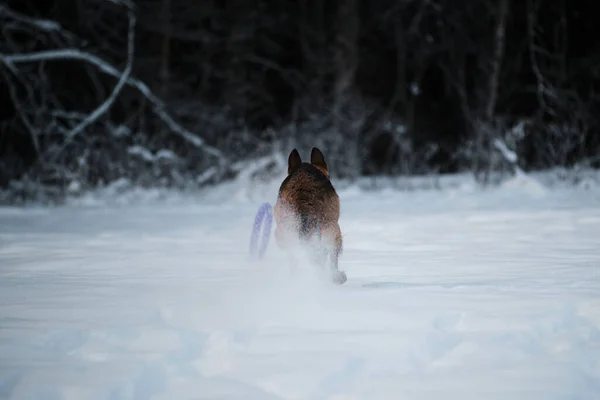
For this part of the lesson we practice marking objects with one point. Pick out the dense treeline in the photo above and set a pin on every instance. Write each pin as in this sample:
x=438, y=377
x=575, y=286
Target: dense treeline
x=178, y=92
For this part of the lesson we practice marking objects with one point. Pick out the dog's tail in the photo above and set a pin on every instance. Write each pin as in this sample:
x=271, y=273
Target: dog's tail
x=308, y=227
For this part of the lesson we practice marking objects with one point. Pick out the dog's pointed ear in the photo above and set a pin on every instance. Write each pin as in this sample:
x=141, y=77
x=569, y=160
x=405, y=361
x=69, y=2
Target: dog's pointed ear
x=294, y=161
x=318, y=160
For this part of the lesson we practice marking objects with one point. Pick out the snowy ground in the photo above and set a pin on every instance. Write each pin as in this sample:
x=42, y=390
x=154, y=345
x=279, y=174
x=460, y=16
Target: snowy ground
x=455, y=294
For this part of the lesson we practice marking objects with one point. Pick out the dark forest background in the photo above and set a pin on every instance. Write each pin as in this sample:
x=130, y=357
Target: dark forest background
x=187, y=93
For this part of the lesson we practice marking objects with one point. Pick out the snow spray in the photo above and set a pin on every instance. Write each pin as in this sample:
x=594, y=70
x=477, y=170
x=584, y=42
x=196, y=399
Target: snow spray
x=264, y=214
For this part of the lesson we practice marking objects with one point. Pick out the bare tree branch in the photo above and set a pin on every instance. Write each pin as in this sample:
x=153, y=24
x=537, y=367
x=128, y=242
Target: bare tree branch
x=42, y=24
x=105, y=106
x=74, y=54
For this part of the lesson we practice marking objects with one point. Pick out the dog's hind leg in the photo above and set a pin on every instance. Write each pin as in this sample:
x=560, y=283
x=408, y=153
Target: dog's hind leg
x=332, y=239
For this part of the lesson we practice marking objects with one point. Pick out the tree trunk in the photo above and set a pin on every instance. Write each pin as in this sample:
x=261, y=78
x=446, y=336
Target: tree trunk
x=486, y=131
x=497, y=59
x=165, y=48
x=346, y=49
x=345, y=64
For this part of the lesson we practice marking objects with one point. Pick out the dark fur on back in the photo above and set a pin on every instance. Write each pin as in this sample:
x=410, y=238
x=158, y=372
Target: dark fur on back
x=319, y=182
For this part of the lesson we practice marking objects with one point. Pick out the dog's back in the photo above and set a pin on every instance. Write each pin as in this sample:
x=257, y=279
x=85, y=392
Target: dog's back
x=307, y=194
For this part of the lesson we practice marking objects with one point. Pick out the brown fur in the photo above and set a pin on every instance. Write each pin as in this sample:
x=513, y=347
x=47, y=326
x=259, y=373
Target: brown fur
x=308, y=205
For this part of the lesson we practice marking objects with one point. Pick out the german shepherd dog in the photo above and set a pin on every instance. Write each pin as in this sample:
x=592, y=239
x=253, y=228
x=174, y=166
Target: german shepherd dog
x=308, y=208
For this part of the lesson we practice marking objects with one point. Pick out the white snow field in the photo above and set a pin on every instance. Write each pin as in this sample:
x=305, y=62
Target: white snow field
x=451, y=294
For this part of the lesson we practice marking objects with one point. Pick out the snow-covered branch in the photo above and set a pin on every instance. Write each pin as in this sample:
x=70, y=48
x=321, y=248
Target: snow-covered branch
x=42, y=24
x=104, y=107
x=507, y=153
x=74, y=54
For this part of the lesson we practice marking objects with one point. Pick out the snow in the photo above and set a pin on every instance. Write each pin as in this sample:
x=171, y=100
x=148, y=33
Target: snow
x=459, y=293
x=507, y=153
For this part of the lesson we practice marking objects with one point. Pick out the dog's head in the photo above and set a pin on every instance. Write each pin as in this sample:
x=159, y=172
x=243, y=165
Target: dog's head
x=316, y=159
